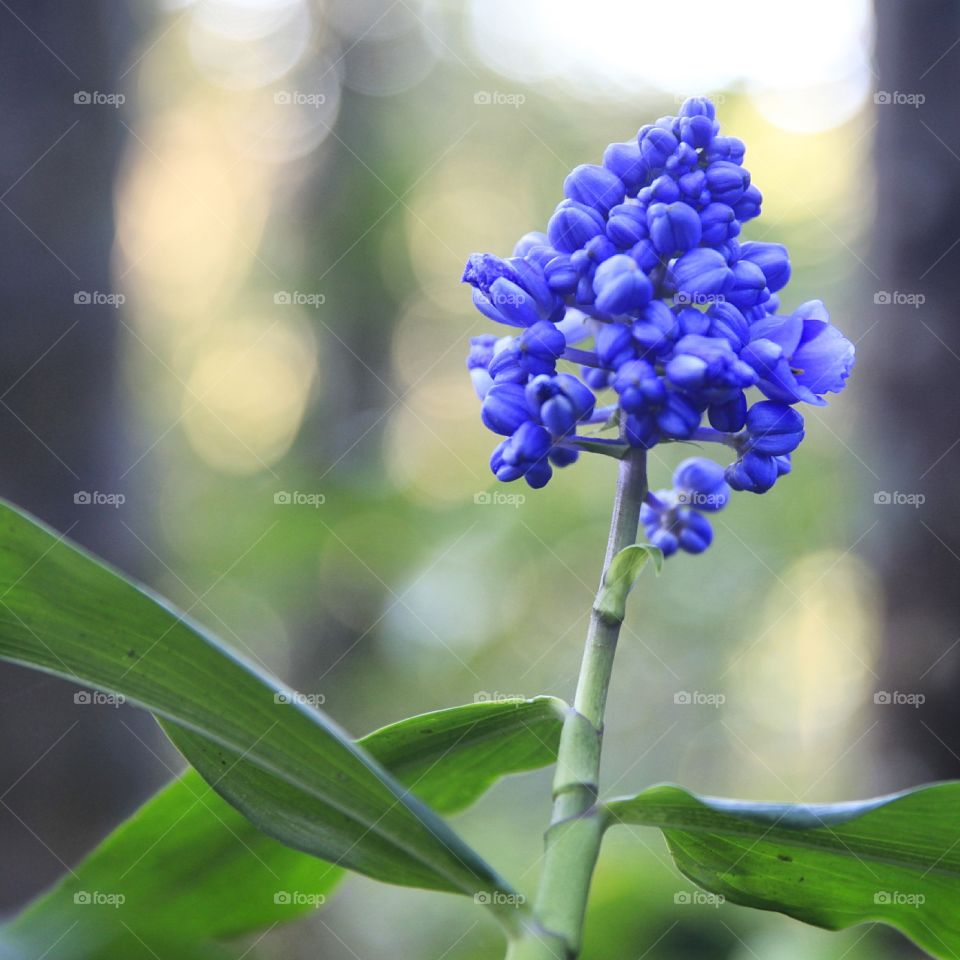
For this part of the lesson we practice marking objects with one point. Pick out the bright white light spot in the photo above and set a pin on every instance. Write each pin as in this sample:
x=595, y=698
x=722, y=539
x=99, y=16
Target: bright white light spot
x=807, y=63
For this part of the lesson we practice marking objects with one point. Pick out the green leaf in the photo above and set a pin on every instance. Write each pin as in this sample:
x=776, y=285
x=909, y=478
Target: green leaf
x=191, y=868
x=893, y=859
x=450, y=757
x=64, y=612
x=620, y=577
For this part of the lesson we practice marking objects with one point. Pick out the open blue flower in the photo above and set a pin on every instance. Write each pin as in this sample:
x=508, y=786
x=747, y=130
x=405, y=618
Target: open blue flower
x=800, y=357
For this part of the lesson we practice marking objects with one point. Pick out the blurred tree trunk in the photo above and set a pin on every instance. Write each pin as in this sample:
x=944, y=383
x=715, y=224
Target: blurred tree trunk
x=71, y=771
x=911, y=357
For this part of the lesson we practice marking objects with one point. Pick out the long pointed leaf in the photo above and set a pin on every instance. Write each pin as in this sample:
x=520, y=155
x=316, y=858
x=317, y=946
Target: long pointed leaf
x=191, y=868
x=64, y=612
x=893, y=859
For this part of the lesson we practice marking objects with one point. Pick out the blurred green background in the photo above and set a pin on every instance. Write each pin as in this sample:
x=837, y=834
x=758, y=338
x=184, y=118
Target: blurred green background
x=294, y=188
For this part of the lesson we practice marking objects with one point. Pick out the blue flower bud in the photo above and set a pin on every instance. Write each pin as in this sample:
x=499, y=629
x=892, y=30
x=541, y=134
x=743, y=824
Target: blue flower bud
x=614, y=345
x=655, y=329
x=624, y=160
x=664, y=540
x=674, y=227
x=600, y=248
x=753, y=472
x=595, y=378
x=773, y=428
x=693, y=188
x=729, y=416
x=670, y=525
x=513, y=292
x=656, y=146
x=645, y=254
x=697, y=131
x=560, y=402
x=727, y=181
x=562, y=275
x=507, y=365
x=481, y=351
x=684, y=160
x=563, y=456
x=639, y=387
x=513, y=303
x=698, y=107
x=642, y=430
x=543, y=341
x=708, y=369
x=725, y=148
x=748, y=206
x=747, y=286
x=538, y=474
x=691, y=321
x=627, y=224
x=701, y=271
x=663, y=189
x=719, y=223
x=478, y=363
x=728, y=322
x=585, y=295
x=694, y=532
x=678, y=417
x=534, y=352
x=771, y=258
x=505, y=408
x=524, y=454
x=572, y=225
x=730, y=251
x=620, y=286
x=594, y=187
x=700, y=483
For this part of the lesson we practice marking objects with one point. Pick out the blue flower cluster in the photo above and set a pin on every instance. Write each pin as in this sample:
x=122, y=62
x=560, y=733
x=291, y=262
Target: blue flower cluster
x=641, y=282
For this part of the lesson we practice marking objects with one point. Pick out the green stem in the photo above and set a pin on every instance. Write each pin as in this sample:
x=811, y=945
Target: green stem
x=572, y=841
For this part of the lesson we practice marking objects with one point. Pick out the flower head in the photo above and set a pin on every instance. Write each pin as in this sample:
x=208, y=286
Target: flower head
x=644, y=284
